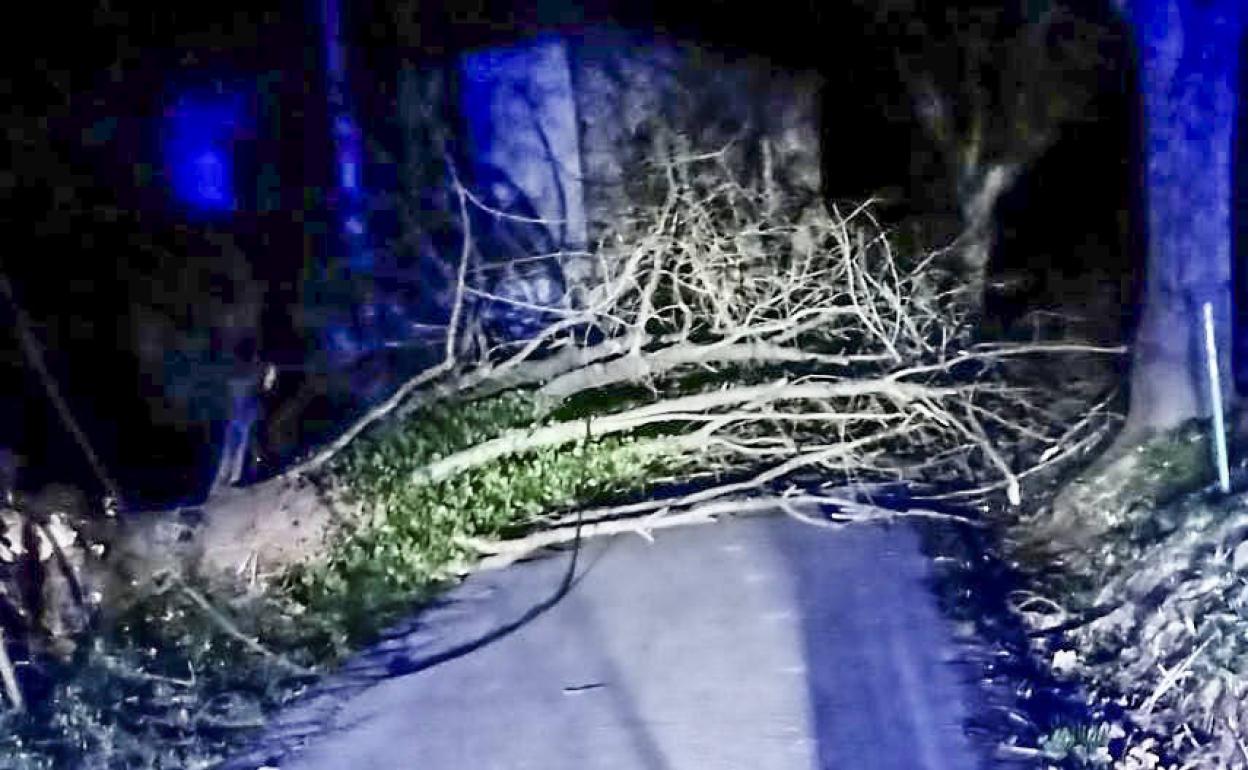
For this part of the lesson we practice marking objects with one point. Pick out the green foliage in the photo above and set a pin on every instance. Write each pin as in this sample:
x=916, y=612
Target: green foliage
x=411, y=534
x=1177, y=463
x=1083, y=745
x=163, y=687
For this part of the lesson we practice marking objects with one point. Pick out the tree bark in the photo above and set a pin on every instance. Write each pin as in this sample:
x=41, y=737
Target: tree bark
x=1188, y=58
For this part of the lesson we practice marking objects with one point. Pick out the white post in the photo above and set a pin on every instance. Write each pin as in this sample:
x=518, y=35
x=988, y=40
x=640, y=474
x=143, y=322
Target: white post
x=1215, y=399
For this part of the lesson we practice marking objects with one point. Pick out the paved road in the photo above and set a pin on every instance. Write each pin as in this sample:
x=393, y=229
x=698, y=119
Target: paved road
x=752, y=644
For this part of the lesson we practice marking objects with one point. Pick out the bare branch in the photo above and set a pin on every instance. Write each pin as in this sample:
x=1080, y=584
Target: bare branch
x=527, y=440
x=499, y=554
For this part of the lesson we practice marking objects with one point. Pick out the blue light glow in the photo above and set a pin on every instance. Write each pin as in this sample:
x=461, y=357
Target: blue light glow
x=210, y=179
x=348, y=146
x=1188, y=65
x=198, y=150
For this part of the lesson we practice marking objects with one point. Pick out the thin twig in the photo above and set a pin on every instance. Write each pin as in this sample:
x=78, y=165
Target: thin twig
x=503, y=553
x=1013, y=492
x=1172, y=678
x=1239, y=743
x=34, y=357
x=429, y=375
x=228, y=626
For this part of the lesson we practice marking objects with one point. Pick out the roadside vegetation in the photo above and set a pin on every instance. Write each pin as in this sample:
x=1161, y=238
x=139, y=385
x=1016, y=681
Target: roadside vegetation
x=1141, y=595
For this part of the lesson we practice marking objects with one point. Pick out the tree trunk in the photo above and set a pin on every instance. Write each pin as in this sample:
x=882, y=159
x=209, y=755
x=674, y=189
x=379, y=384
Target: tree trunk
x=522, y=131
x=1188, y=57
x=1187, y=54
x=348, y=144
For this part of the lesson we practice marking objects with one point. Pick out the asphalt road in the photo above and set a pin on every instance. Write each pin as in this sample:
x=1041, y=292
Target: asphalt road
x=753, y=644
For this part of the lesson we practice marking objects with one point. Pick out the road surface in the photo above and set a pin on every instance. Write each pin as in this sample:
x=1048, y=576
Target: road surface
x=758, y=643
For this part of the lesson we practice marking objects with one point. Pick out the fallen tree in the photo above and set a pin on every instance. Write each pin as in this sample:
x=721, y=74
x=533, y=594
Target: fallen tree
x=751, y=351
x=809, y=343
x=732, y=334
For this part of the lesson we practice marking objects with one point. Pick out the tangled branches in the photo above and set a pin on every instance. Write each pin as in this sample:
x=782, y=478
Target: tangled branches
x=760, y=338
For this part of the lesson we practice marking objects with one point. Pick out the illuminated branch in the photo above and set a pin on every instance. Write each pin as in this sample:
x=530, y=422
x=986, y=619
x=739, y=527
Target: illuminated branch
x=714, y=280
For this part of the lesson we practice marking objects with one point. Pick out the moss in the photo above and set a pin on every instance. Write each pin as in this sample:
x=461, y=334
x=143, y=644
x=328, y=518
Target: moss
x=1177, y=463
x=1121, y=493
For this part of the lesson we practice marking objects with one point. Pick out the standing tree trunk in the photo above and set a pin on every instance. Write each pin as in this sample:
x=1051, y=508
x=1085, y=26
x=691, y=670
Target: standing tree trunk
x=521, y=126
x=349, y=189
x=1188, y=57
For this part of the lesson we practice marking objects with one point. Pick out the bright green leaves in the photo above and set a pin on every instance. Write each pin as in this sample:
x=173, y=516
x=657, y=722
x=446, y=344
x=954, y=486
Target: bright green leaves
x=411, y=535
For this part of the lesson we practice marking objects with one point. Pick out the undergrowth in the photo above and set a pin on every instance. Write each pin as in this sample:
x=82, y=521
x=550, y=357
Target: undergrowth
x=411, y=534
x=162, y=688
x=166, y=686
